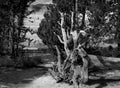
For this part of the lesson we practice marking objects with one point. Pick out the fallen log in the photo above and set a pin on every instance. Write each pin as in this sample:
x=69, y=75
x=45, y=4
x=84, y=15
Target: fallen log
x=104, y=62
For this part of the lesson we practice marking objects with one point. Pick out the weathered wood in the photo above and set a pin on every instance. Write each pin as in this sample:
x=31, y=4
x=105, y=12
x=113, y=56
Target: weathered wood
x=97, y=61
x=105, y=62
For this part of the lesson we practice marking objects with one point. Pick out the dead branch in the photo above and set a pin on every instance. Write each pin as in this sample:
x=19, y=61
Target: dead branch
x=68, y=35
x=72, y=16
x=61, y=41
x=59, y=59
x=64, y=35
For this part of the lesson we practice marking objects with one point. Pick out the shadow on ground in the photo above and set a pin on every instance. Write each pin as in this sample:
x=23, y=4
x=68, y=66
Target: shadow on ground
x=22, y=76
x=104, y=82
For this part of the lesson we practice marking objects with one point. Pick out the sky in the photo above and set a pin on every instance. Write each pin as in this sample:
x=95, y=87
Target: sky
x=33, y=20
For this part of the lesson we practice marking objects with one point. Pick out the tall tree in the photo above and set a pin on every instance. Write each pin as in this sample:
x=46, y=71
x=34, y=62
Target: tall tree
x=68, y=26
x=59, y=30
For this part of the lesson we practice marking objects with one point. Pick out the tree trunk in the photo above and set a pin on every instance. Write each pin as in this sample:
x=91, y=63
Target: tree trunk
x=75, y=66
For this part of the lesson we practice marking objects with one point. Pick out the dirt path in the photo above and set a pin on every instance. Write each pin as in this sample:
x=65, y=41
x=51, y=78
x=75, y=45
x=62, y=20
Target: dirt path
x=112, y=81
x=39, y=78
x=49, y=82
x=29, y=78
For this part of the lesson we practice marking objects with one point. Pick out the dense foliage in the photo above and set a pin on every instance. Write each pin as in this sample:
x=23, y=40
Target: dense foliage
x=12, y=13
x=102, y=19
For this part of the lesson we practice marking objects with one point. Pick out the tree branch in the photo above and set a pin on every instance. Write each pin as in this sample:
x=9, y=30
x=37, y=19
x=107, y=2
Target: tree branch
x=72, y=17
x=64, y=35
x=58, y=52
x=59, y=38
x=59, y=59
x=68, y=35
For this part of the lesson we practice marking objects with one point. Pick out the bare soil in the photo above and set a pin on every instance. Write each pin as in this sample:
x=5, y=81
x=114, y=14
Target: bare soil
x=40, y=78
